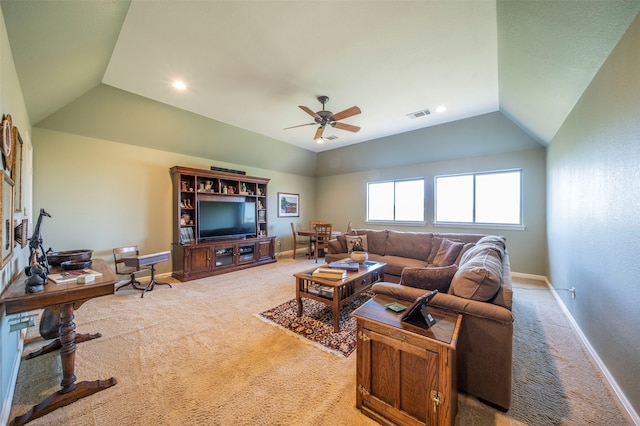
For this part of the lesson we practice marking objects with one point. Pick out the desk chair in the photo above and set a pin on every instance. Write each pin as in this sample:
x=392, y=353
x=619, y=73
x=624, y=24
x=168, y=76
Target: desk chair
x=323, y=235
x=118, y=257
x=298, y=243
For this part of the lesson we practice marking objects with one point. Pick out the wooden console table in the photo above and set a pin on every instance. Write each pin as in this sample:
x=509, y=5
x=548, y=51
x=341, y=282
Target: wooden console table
x=148, y=260
x=62, y=298
x=406, y=373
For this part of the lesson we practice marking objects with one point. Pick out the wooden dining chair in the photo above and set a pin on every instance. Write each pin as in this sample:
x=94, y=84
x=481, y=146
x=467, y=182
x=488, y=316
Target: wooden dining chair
x=119, y=254
x=297, y=242
x=323, y=235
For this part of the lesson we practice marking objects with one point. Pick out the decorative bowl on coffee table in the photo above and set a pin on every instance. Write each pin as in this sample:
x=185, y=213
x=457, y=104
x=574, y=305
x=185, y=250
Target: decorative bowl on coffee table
x=359, y=256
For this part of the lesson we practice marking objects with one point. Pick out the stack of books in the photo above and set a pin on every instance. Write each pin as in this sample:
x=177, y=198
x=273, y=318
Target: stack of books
x=329, y=274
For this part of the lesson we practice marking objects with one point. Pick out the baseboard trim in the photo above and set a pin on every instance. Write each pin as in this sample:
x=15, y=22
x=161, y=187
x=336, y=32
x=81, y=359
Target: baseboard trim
x=622, y=398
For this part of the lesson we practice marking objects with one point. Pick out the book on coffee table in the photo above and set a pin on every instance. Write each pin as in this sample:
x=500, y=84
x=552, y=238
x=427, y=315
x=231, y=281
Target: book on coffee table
x=329, y=274
x=346, y=265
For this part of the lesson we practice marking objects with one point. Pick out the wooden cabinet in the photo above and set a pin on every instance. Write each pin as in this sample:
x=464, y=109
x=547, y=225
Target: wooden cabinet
x=406, y=372
x=197, y=253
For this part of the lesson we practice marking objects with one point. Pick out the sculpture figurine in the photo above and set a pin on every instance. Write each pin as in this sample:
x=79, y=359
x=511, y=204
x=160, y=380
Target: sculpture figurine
x=38, y=270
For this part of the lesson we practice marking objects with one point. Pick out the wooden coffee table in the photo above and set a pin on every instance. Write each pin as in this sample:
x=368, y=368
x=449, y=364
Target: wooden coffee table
x=337, y=293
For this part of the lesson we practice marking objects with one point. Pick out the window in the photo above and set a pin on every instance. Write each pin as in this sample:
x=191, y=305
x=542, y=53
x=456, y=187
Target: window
x=479, y=198
x=396, y=201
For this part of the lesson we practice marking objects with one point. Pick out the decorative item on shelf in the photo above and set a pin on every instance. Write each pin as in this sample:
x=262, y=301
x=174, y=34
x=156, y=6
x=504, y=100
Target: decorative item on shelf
x=260, y=206
x=185, y=186
x=201, y=186
x=185, y=219
x=225, y=190
x=38, y=269
x=208, y=185
x=231, y=190
x=243, y=189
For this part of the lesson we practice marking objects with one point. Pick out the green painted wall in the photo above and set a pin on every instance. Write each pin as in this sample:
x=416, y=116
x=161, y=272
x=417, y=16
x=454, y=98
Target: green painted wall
x=593, y=210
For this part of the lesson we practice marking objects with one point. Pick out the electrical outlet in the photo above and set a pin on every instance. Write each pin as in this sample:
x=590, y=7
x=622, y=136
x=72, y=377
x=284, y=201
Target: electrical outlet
x=572, y=290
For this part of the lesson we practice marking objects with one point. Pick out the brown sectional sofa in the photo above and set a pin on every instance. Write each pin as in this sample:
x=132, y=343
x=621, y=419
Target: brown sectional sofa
x=478, y=286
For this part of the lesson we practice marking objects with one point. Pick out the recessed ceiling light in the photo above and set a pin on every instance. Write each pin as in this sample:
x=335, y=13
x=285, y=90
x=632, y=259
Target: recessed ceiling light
x=441, y=108
x=179, y=85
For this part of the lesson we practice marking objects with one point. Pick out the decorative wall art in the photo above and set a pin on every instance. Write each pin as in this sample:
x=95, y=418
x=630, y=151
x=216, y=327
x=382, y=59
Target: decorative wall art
x=288, y=205
x=16, y=168
x=7, y=230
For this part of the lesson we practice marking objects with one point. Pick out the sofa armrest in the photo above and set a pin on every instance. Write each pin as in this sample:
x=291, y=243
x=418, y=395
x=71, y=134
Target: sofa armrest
x=447, y=301
x=475, y=308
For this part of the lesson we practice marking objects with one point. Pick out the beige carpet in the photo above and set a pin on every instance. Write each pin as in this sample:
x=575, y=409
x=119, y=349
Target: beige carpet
x=196, y=354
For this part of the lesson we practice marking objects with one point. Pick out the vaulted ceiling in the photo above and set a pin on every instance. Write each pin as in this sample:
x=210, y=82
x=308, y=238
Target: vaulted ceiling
x=250, y=64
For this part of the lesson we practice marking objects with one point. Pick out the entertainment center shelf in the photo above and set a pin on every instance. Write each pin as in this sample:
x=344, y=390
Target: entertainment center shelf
x=219, y=222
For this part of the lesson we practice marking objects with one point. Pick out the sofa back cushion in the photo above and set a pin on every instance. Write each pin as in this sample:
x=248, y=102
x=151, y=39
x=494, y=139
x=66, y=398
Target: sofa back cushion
x=429, y=278
x=376, y=240
x=447, y=252
x=479, y=275
x=413, y=245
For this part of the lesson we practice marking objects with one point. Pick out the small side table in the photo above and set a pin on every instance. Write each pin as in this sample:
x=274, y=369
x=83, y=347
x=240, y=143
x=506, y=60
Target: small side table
x=148, y=260
x=406, y=373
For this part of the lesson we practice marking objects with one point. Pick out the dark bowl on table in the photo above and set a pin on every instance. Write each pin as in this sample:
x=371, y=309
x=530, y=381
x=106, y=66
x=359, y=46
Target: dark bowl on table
x=57, y=257
x=75, y=264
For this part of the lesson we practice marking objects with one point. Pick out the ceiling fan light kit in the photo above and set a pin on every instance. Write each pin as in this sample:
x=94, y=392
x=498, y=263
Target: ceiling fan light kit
x=325, y=117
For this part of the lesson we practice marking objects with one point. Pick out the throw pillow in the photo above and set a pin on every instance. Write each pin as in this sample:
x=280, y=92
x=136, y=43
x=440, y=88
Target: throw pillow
x=480, y=276
x=429, y=278
x=447, y=253
x=435, y=246
x=362, y=239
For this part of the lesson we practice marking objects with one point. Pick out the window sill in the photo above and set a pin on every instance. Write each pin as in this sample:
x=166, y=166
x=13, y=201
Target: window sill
x=479, y=226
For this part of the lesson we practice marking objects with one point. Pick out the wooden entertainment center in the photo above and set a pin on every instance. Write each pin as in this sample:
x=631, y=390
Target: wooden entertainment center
x=196, y=256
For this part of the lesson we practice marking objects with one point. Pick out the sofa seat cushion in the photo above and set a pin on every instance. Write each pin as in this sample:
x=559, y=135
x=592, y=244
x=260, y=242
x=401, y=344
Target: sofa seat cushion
x=479, y=276
x=395, y=264
x=431, y=278
x=412, y=245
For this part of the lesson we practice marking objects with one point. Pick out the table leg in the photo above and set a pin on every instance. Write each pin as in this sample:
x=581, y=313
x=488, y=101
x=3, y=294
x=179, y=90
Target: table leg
x=335, y=306
x=299, y=284
x=153, y=282
x=56, y=344
x=70, y=391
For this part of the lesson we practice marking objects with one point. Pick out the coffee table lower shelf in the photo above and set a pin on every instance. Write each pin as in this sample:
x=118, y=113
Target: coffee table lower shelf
x=337, y=293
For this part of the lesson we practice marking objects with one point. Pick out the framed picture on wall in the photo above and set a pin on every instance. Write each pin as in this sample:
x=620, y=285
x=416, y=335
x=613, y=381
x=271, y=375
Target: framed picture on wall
x=288, y=204
x=7, y=219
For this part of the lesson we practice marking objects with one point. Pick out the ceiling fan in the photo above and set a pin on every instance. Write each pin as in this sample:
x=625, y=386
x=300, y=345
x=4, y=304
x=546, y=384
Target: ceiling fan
x=325, y=117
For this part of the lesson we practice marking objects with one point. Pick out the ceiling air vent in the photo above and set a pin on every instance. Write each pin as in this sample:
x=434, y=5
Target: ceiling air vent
x=419, y=114
x=330, y=138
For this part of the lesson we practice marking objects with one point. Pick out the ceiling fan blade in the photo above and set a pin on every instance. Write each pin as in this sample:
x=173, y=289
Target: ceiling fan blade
x=318, y=133
x=300, y=125
x=345, y=126
x=308, y=111
x=354, y=110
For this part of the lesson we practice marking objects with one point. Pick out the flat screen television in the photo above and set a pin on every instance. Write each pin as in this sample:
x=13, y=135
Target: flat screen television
x=226, y=219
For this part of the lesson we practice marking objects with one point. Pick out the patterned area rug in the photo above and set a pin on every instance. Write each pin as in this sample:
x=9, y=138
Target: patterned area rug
x=316, y=323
